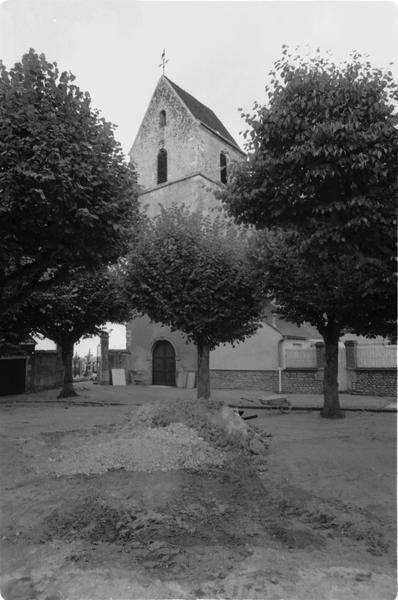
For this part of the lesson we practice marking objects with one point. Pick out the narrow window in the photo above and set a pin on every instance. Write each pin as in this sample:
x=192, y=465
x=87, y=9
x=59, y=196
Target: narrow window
x=162, y=118
x=223, y=168
x=162, y=166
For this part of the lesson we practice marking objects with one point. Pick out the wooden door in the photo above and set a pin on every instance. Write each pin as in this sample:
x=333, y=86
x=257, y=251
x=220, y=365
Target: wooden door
x=163, y=364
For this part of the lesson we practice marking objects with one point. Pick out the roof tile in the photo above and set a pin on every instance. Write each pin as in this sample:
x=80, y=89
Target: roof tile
x=204, y=114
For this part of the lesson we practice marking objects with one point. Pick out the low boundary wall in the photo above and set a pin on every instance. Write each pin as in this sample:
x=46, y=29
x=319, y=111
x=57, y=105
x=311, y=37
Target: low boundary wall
x=374, y=382
x=304, y=380
x=44, y=370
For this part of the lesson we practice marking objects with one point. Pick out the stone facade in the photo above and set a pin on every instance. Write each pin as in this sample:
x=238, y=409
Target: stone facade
x=375, y=382
x=302, y=381
x=193, y=153
x=179, y=137
x=294, y=381
x=244, y=380
x=195, y=191
x=142, y=335
x=172, y=122
x=194, y=140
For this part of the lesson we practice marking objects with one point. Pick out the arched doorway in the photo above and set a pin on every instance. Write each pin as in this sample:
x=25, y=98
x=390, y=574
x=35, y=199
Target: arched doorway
x=163, y=364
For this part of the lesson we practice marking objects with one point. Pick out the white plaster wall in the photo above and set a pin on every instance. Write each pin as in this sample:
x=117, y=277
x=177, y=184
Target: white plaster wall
x=257, y=353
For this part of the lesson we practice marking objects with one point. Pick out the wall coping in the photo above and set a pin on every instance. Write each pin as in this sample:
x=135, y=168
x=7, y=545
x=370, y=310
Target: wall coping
x=373, y=369
x=293, y=369
x=245, y=370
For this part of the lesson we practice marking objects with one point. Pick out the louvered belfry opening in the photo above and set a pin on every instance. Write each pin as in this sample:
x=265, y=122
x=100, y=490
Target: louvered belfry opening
x=223, y=168
x=162, y=166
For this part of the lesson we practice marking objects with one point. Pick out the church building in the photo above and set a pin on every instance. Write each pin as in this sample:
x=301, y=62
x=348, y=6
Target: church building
x=182, y=153
x=182, y=150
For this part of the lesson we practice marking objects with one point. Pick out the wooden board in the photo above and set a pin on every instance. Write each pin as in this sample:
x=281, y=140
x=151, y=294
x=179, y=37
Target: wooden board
x=191, y=380
x=118, y=377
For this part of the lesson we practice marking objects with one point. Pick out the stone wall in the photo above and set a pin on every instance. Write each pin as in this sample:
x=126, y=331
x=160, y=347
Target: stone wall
x=212, y=146
x=193, y=154
x=374, y=382
x=307, y=381
x=194, y=190
x=44, y=370
x=179, y=137
x=302, y=381
x=244, y=380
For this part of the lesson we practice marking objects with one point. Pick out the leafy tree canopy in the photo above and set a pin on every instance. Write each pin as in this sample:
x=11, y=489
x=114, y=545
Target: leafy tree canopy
x=67, y=196
x=322, y=155
x=191, y=272
x=337, y=296
x=82, y=306
x=321, y=177
x=79, y=308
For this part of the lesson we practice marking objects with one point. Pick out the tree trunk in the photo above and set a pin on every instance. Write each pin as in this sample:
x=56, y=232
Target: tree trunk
x=203, y=371
x=331, y=404
x=67, y=360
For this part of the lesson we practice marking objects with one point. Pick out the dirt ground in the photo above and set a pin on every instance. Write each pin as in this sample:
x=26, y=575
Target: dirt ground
x=90, y=511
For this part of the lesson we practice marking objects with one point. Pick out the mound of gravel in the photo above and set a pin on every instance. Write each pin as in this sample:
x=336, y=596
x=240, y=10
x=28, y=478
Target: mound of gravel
x=161, y=436
x=146, y=449
x=216, y=423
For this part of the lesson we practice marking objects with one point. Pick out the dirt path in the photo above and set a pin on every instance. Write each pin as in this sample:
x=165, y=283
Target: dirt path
x=311, y=519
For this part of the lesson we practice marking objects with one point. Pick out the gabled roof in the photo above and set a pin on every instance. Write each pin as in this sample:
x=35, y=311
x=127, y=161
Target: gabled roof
x=204, y=114
x=293, y=331
x=288, y=329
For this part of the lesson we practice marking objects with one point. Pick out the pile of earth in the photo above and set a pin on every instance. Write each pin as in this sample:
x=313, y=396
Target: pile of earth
x=204, y=523
x=165, y=490
x=178, y=494
x=191, y=435
x=218, y=424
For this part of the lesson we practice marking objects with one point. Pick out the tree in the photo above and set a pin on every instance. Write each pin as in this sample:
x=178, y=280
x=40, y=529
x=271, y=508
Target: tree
x=79, y=308
x=334, y=296
x=67, y=196
x=191, y=272
x=322, y=167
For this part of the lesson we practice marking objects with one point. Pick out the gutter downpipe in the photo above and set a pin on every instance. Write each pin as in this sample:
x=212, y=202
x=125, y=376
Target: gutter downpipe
x=281, y=364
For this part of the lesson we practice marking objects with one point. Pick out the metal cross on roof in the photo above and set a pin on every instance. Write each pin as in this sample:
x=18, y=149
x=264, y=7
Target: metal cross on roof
x=164, y=61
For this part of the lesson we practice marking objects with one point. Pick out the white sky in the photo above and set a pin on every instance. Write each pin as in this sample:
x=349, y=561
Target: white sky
x=220, y=52
x=117, y=340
